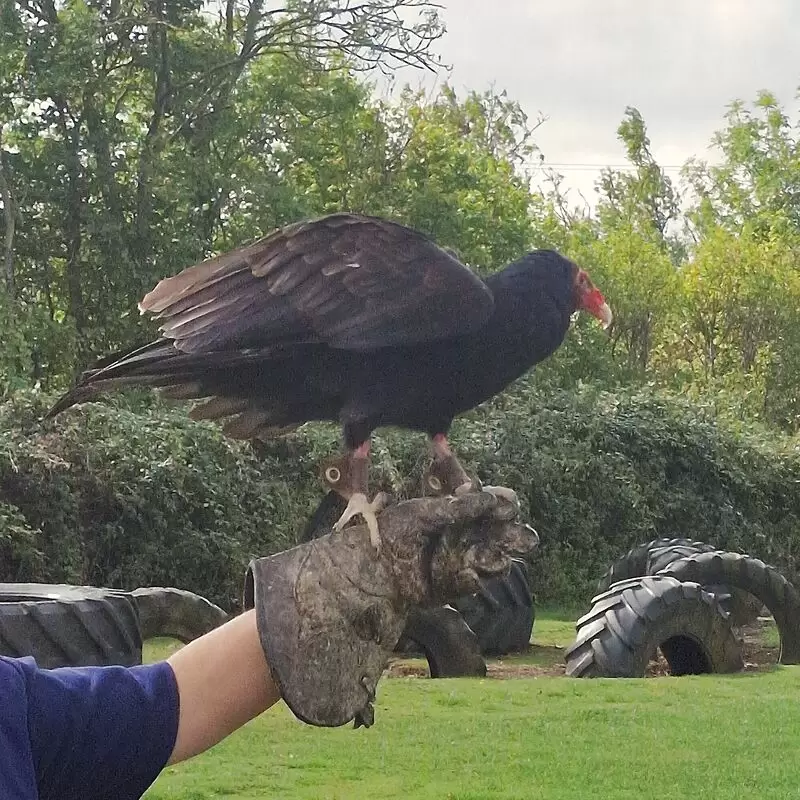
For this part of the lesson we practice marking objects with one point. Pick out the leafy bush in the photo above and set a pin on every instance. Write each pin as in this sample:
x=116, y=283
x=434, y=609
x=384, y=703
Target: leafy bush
x=134, y=493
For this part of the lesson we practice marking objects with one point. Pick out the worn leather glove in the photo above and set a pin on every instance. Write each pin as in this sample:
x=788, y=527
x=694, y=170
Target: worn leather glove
x=330, y=611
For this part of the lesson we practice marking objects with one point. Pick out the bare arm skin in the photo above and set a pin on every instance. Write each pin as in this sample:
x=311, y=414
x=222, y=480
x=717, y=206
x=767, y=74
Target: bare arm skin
x=223, y=681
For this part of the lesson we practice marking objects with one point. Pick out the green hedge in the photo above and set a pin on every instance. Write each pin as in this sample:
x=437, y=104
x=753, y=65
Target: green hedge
x=133, y=493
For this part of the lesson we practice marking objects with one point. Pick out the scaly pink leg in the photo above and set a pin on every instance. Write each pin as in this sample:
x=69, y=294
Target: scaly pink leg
x=445, y=475
x=348, y=475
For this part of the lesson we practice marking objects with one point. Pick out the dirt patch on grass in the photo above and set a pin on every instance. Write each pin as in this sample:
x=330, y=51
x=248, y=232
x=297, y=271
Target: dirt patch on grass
x=504, y=670
x=540, y=661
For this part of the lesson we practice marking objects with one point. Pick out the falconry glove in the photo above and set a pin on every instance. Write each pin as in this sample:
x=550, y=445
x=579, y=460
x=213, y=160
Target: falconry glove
x=330, y=611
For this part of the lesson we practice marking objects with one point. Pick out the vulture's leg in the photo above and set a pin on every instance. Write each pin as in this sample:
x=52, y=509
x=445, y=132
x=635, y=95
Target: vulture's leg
x=348, y=475
x=446, y=475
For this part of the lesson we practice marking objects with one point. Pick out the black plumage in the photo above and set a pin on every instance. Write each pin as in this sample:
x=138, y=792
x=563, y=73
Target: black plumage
x=349, y=319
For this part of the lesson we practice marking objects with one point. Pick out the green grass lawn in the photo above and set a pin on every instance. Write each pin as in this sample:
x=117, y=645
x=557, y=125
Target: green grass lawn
x=547, y=737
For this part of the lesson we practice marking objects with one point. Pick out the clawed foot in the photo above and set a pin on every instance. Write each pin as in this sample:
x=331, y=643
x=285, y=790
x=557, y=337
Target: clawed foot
x=445, y=476
x=358, y=505
x=503, y=493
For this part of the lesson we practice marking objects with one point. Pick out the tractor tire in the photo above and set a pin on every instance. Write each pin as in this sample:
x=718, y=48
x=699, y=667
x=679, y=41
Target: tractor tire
x=502, y=612
x=753, y=576
x=651, y=557
x=634, y=563
x=330, y=508
x=629, y=622
x=175, y=613
x=742, y=607
x=67, y=626
x=446, y=641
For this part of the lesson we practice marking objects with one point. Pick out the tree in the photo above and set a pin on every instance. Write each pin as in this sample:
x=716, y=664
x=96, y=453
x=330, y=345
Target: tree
x=757, y=182
x=643, y=199
x=739, y=321
x=105, y=105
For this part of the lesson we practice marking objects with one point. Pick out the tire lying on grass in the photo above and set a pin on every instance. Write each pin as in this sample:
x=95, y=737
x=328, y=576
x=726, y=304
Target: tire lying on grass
x=175, y=613
x=651, y=557
x=501, y=613
x=445, y=640
x=636, y=561
x=64, y=626
x=635, y=617
x=72, y=626
x=753, y=576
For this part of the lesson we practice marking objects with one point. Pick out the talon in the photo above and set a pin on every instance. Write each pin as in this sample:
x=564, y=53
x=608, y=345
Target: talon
x=503, y=493
x=360, y=506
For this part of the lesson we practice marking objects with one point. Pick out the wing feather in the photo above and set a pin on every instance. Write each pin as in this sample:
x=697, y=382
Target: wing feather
x=349, y=281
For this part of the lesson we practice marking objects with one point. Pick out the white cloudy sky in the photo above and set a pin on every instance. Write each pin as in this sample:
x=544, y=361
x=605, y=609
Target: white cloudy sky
x=581, y=62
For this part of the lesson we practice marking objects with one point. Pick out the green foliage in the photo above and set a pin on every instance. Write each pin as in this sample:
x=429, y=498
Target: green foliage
x=137, y=140
x=643, y=199
x=757, y=181
x=110, y=495
x=736, y=339
x=118, y=498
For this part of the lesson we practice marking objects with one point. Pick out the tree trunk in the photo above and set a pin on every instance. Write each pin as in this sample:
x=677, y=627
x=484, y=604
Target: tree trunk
x=112, y=243
x=10, y=216
x=72, y=224
x=151, y=146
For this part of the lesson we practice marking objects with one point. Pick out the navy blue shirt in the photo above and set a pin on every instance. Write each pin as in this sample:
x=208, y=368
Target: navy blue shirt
x=84, y=733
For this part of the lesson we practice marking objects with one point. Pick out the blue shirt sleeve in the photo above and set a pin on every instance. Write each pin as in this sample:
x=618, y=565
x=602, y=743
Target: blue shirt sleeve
x=100, y=732
x=17, y=774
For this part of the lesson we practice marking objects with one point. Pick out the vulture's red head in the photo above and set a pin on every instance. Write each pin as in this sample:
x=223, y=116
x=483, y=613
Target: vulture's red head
x=587, y=297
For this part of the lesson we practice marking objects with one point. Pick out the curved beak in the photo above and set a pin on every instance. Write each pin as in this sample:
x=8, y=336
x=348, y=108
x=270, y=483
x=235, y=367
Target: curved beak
x=594, y=302
x=605, y=315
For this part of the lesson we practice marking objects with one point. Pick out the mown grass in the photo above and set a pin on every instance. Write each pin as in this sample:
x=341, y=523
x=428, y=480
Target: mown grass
x=549, y=738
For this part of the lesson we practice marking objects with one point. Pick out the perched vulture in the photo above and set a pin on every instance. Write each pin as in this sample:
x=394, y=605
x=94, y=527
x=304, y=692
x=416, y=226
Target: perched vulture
x=350, y=319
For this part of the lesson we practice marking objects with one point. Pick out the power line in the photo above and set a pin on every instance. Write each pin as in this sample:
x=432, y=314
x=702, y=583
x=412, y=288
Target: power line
x=577, y=167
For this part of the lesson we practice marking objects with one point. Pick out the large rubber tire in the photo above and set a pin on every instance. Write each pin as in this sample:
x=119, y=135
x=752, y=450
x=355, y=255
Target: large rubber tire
x=629, y=622
x=446, y=641
x=330, y=508
x=650, y=557
x=635, y=562
x=502, y=613
x=65, y=626
x=742, y=607
x=753, y=576
x=175, y=613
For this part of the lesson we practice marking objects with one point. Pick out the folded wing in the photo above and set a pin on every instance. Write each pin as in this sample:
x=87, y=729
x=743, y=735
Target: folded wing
x=345, y=280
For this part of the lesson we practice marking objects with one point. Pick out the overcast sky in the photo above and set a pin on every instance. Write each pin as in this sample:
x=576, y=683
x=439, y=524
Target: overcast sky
x=581, y=62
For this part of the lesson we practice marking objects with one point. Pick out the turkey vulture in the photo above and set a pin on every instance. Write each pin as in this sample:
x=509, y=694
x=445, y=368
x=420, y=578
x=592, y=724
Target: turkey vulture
x=350, y=319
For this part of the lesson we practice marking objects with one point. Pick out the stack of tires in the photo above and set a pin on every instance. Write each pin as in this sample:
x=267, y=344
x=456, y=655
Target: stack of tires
x=686, y=599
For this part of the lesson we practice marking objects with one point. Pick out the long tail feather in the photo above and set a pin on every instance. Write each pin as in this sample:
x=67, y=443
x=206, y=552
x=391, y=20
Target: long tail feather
x=160, y=366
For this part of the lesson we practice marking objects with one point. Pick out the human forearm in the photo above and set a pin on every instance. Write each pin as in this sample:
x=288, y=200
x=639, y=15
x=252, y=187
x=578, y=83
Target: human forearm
x=223, y=682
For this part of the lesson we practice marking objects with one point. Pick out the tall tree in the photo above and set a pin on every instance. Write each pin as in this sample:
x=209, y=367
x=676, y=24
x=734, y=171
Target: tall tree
x=101, y=101
x=756, y=181
x=643, y=198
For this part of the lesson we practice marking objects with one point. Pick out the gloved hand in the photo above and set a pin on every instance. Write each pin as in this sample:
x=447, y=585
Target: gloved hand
x=330, y=611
